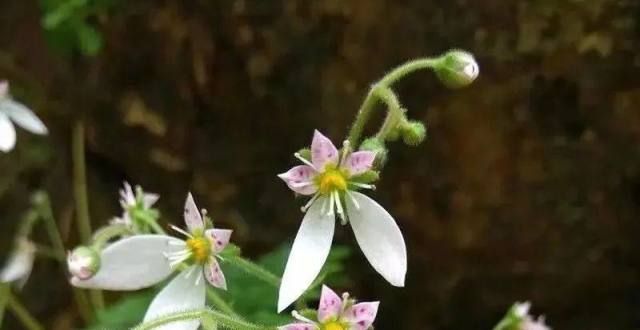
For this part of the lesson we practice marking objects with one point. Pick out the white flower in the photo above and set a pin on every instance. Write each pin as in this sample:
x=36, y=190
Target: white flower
x=526, y=321
x=18, y=267
x=330, y=178
x=187, y=290
x=11, y=110
x=135, y=203
x=337, y=314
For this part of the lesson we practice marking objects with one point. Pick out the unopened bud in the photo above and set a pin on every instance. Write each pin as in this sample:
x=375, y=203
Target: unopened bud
x=413, y=133
x=457, y=69
x=83, y=262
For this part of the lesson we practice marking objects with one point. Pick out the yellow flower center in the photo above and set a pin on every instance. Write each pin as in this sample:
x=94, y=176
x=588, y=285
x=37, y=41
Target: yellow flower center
x=331, y=180
x=334, y=325
x=200, y=248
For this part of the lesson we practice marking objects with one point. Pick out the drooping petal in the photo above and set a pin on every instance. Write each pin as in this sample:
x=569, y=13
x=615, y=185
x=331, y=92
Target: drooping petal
x=359, y=162
x=323, y=151
x=7, y=133
x=23, y=117
x=330, y=305
x=219, y=238
x=300, y=179
x=299, y=326
x=214, y=275
x=379, y=238
x=361, y=316
x=132, y=263
x=308, y=253
x=192, y=216
x=185, y=292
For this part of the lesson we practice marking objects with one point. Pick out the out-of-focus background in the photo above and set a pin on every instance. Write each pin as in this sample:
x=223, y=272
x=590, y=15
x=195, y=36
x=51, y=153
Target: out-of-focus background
x=527, y=188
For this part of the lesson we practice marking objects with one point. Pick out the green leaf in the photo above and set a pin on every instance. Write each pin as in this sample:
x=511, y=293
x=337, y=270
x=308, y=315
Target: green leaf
x=125, y=313
x=89, y=40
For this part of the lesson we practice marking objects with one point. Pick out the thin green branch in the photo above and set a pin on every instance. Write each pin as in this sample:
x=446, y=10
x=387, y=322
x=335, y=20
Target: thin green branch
x=43, y=206
x=372, y=98
x=254, y=269
x=220, y=304
x=21, y=312
x=228, y=322
x=103, y=235
x=81, y=197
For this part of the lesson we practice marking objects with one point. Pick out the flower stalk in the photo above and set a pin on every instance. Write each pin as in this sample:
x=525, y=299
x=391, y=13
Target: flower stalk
x=81, y=197
x=253, y=269
x=21, y=313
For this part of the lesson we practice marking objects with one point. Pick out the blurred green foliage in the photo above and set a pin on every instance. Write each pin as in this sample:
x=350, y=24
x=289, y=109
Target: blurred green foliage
x=69, y=25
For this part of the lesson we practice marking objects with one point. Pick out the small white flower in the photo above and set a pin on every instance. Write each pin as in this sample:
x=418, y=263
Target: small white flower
x=139, y=202
x=187, y=290
x=329, y=179
x=335, y=313
x=525, y=321
x=19, y=265
x=12, y=111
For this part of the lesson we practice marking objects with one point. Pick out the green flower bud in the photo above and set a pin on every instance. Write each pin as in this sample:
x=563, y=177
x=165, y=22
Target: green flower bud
x=457, y=69
x=83, y=262
x=413, y=133
x=377, y=146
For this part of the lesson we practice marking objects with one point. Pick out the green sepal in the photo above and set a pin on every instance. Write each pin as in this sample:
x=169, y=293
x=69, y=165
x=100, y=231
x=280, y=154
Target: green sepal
x=369, y=176
x=305, y=153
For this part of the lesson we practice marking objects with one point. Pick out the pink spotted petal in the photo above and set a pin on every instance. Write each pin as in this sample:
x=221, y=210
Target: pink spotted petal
x=299, y=326
x=359, y=162
x=330, y=304
x=219, y=238
x=300, y=179
x=214, y=275
x=192, y=216
x=361, y=316
x=323, y=151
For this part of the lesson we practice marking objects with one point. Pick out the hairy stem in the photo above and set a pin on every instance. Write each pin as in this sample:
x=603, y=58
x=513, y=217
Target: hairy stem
x=254, y=269
x=28, y=321
x=81, y=197
x=372, y=98
x=222, y=305
x=103, y=235
x=228, y=322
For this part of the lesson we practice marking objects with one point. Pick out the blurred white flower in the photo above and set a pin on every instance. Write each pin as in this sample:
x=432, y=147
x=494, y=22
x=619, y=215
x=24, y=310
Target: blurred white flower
x=329, y=179
x=19, y=265
x=136, y=207
x=525, y=321
x=14, y=112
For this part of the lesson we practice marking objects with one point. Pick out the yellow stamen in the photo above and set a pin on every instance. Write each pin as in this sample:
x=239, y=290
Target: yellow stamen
x=200, y=248
x=331, y=180
x=334, y=325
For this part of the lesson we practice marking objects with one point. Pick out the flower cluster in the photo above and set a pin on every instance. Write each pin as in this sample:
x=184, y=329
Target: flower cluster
x=137, y=211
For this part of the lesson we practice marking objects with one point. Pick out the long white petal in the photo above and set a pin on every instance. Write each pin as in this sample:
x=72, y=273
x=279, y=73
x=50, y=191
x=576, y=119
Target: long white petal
x=183, y=293
x=379, y=238
x=23, y=117
x=7, y=133
x=132, y=263
x=309, y=252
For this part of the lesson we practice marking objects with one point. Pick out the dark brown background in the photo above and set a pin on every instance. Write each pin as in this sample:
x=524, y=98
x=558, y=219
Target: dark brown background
x=528, y=186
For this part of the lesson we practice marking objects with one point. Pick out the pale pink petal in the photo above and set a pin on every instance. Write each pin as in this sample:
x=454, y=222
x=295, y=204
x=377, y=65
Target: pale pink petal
x=149, y=199
x=192, y=216
x=214, y=275
x=361, y=316
x=300, y=179
x=299, y=326
x=323, y=151
x=359, y=162
x=330, y=305
x=219, y=238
